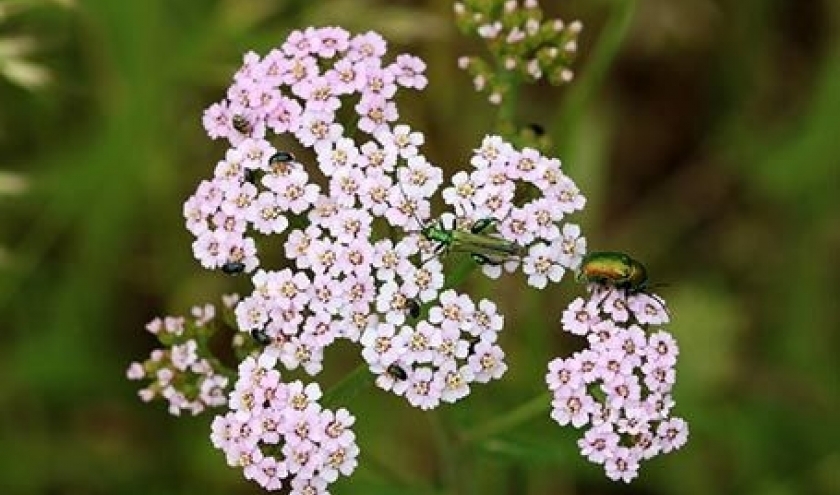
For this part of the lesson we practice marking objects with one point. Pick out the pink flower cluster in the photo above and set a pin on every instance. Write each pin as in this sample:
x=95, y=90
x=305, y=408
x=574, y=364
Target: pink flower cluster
x=345, y=277
x=347, y=284
x=435, y=360
x=280, y=435
x=179, y=375
x=501, y=172
x=347, y=280
x=619, y=387
x=298, y=90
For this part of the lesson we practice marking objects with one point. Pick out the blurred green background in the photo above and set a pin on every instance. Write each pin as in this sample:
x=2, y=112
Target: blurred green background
x=708, y=147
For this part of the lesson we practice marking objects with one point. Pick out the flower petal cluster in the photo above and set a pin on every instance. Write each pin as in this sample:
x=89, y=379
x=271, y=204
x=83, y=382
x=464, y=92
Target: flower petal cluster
x=435, y=360
x=501, y=174
x=519, y=41
x=298, y=90
x=345, y=276
x=180, y=373
x=279, y=434
x=619, y=388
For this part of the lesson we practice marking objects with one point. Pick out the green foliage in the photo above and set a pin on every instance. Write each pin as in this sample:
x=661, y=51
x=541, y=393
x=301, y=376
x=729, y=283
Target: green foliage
x=704, y=138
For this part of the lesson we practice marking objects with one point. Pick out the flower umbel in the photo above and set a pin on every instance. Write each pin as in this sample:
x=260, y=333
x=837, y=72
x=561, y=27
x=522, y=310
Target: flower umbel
x=346, y=276
x=184, y=372
x=620, y=387
x=279, y=434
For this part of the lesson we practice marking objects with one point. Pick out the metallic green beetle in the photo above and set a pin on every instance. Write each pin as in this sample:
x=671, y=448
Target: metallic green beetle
x=482, y=247
x=616, y=269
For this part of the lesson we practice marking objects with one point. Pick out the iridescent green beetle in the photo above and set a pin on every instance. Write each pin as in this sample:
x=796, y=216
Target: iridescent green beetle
x=614, y=269
x=483, y=248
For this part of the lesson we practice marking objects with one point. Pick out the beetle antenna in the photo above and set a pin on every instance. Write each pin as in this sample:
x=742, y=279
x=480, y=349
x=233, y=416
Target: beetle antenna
x=658, y=299
x=420, y=223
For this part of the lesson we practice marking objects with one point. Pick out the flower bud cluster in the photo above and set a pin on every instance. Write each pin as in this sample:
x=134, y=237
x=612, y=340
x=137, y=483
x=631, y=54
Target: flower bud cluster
x=184, y=373
x=280, y=435
x=619, y=388
x=520, y=42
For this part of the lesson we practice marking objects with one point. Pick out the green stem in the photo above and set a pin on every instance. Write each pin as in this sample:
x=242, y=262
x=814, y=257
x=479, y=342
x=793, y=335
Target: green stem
x=446, y=452
x=459, y=273
x=506, y=116
x=347, y=387
x=386, y=471
x=593, y=75
x=525, y=412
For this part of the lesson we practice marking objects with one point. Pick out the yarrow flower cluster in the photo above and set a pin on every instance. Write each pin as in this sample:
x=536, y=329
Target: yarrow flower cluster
x=519, y=41
x=347, y=279
x=435, y=360
x=364, y=258
x=298, y=90
x=280, y=435
x=500, y=174
x=179, y=373
x=619, y=387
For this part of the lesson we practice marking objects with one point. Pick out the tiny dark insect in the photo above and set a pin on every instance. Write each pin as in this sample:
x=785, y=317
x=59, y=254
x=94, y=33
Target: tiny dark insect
x=260, y=336
x=396, y=372
x=281, y=157
x=413, y=307
x=233, y=267
x=241, y=124
x=251, y=175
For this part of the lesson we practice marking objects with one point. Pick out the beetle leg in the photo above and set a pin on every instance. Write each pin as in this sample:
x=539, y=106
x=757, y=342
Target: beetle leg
x=481, y=225
x=483, y=260
x=607, y=289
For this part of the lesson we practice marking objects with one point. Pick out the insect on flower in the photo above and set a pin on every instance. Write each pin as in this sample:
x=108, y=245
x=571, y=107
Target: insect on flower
x=619, y=270
x=241, y=124
x=484, y=248
x=396, y=372
x=413, y=307
x=281, y=157
x=613, y=268
x=260, y=336
x=233, y=267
